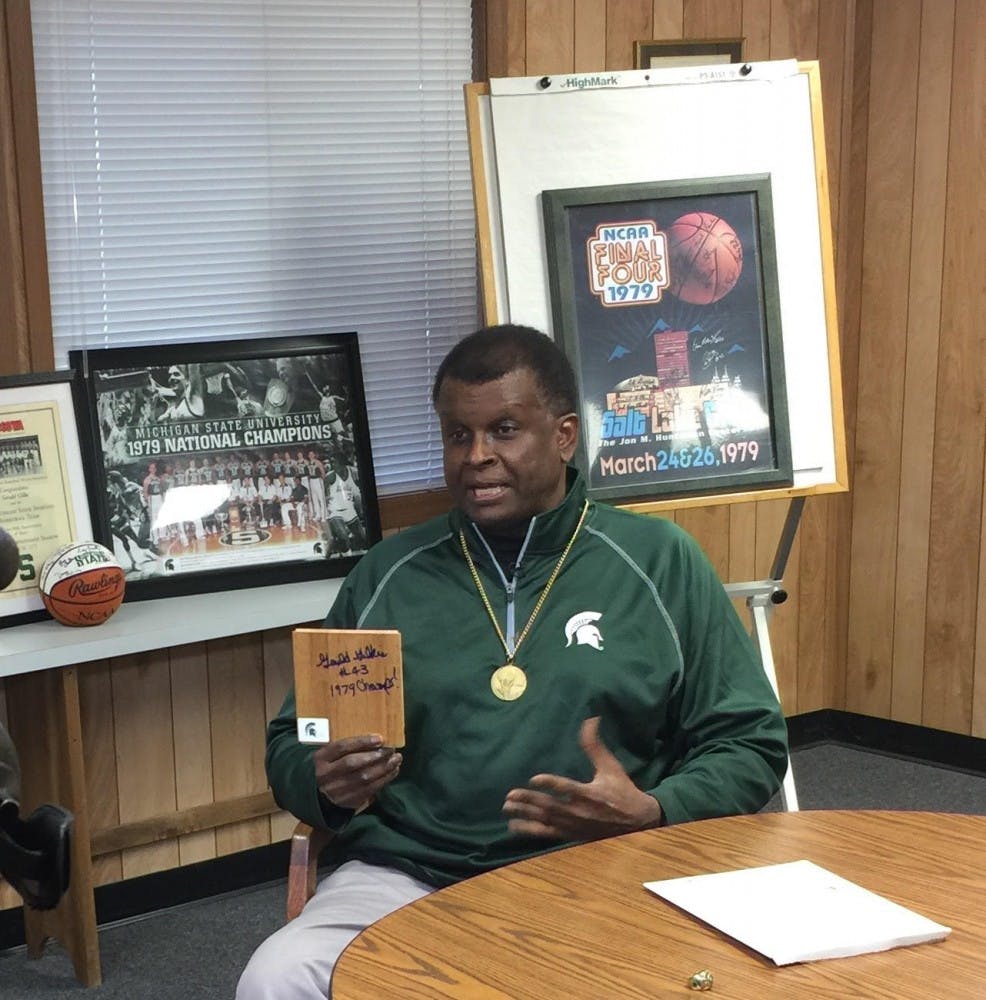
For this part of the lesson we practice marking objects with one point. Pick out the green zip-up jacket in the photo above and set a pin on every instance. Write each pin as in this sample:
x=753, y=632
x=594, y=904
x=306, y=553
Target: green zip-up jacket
x=637, y=629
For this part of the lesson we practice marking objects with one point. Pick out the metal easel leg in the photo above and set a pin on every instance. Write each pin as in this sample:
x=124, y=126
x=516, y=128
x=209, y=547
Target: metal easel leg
x=760, y=608
x=761, y=598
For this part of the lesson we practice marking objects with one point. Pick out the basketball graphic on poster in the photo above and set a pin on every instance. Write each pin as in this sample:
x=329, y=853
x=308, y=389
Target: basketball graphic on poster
x=82, y=584
x=705, y=258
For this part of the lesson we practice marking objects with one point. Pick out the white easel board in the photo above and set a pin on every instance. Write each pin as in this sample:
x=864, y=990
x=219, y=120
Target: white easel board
x=534, y=134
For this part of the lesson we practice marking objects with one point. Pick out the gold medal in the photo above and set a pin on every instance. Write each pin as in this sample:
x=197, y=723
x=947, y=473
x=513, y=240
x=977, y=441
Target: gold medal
x=508, y=682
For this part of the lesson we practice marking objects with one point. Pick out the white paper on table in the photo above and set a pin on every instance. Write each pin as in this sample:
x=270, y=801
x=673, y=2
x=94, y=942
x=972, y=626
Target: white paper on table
x=798, y=912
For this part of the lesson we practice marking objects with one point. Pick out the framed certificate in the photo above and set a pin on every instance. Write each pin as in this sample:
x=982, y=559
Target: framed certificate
x=43, y=499
x=232, y=464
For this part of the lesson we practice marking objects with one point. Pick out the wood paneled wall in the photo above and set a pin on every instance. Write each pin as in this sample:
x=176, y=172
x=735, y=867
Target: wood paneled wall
x=25, y=308
x=916, y=636
x=886, y=615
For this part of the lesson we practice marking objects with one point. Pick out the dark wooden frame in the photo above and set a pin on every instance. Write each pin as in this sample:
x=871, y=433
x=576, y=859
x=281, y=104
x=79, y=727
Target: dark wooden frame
x=660, y=53
x=598, y=334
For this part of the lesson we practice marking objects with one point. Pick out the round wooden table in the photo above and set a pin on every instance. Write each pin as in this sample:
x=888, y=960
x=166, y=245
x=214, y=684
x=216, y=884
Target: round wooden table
x=578, y=923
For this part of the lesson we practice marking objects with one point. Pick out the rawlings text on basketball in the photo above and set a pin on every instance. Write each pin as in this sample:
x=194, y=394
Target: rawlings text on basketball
x=107, y=583
x=628, y=263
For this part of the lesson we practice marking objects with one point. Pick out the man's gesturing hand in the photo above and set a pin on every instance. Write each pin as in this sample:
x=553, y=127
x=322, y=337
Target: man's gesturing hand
x=563, y=809
x=350, y=772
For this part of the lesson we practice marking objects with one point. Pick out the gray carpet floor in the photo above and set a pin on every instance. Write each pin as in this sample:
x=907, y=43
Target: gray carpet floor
x=196, y=951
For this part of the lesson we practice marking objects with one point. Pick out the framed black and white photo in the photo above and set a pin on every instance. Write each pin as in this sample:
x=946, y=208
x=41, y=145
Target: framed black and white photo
x=43, y=500
x=665, y=297
x=231, y=464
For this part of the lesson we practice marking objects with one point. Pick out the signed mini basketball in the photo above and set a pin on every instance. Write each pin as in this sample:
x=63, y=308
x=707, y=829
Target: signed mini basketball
x=82, y=584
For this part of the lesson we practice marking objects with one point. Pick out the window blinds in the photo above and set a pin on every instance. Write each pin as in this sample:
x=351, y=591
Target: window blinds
x=252, y=168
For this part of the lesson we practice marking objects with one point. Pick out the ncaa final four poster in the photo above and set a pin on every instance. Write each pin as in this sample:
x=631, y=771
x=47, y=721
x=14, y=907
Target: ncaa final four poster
x=232, y=458
x=664, y=296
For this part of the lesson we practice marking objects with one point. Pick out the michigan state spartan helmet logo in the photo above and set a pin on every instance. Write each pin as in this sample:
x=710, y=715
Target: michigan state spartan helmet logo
x=581, y=629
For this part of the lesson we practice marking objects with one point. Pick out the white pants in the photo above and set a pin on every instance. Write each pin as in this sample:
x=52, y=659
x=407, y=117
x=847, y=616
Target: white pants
x=296, y=962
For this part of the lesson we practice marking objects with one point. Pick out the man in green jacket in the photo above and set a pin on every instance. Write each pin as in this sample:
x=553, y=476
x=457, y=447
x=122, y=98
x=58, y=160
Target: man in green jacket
x=571, y=671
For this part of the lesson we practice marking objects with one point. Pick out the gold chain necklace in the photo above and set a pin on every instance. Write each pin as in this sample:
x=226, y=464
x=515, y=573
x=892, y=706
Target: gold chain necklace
x=509, y=681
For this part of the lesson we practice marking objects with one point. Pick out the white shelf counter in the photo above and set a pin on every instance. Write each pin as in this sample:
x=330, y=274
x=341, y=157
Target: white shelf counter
x=163, y=623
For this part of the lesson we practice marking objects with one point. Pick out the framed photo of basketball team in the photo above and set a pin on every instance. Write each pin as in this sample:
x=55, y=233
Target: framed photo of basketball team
x=665, y=297
x=232, y=464
x=43, y=501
